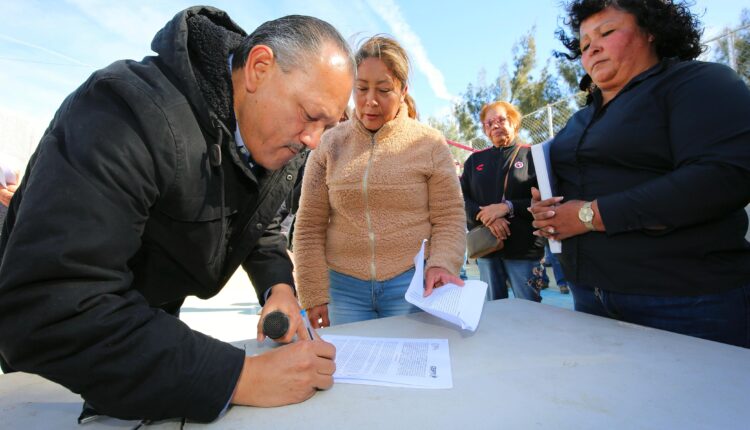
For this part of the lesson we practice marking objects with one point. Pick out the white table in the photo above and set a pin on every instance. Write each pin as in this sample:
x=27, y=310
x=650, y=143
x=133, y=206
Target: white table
x=528, y=365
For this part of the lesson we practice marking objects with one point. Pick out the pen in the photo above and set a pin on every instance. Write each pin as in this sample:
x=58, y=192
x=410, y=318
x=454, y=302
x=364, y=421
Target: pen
x=306, y=321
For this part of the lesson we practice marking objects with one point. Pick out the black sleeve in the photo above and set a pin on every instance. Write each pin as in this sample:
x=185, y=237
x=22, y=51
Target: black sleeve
x=68, y=308
x=269, y=264
x=523, y=201
x=709, y=132
x=520, y=207
x=470, y=205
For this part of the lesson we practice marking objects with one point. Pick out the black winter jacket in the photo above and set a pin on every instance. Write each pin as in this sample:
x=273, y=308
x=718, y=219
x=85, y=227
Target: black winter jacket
x=135, y=199
x=482, y=184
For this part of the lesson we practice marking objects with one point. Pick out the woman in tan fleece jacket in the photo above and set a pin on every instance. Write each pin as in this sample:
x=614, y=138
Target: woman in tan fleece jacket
x=376, y=186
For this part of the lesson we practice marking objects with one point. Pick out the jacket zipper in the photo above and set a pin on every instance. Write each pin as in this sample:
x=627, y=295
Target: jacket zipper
x=368, y=219
x=216, y=162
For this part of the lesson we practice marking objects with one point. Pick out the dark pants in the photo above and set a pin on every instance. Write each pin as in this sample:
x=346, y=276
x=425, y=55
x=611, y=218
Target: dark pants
x=722, y=317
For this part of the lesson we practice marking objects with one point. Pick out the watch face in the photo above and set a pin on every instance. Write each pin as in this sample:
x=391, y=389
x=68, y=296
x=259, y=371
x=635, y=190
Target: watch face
x=586, y=214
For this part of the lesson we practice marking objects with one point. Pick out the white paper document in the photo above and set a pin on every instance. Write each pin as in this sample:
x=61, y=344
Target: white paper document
x=392, y=362
x=459, y=305
x=546, y=180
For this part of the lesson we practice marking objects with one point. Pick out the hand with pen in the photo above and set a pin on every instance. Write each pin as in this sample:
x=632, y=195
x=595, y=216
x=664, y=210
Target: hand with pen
x=290, y=373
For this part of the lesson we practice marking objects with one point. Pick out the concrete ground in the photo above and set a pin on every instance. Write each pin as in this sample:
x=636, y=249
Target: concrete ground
x=232, y=314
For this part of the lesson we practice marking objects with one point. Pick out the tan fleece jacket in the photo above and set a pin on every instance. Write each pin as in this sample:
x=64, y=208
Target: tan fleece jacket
x=369, y=199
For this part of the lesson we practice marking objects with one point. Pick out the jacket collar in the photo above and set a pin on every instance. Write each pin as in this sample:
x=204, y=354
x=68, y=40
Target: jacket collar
x=656, y=69
x=195, y=46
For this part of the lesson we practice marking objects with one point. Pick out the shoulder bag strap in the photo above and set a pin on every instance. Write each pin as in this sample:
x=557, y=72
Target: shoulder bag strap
x=510, y=166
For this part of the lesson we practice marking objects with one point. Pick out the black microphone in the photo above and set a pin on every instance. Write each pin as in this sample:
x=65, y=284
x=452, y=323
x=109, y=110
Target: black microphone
x=275, y=324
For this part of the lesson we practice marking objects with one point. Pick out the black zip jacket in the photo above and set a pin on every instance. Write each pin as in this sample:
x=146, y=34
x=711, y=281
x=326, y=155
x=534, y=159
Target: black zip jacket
x=668, y=160
x=482, y=184
x=135, y=199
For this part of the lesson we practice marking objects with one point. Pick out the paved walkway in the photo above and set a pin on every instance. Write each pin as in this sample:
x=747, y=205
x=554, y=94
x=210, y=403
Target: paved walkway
x=232, y=314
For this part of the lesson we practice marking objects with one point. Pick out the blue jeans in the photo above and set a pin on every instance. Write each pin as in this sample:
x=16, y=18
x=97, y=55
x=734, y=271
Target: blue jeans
x=495, y=271
x=722, y=317
x=551, y=258
x=355, y=299
x=462, y=272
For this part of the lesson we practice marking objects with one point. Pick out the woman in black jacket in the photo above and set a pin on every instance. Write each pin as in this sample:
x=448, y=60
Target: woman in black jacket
x=655, y=173
x=501, y=203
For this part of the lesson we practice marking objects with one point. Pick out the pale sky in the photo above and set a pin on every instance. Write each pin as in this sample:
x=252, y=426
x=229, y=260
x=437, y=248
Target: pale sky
x=49, y=47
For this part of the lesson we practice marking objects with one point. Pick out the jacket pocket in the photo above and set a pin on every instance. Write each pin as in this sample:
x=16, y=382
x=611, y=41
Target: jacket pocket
x=201, y=231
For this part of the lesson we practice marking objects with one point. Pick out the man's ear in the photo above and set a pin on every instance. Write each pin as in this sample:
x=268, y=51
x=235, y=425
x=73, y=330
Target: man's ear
x=259, y=63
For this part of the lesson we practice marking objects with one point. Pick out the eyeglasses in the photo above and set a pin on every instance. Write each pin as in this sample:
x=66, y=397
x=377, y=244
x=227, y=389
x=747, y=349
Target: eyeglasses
x=495, y=121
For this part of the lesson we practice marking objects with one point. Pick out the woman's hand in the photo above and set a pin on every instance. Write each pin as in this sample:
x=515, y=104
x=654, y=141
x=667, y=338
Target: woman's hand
x=500, y=228
x=558, y=221
x=6, y=194
x=436, y=277
x=318, y=316
x=488, y=214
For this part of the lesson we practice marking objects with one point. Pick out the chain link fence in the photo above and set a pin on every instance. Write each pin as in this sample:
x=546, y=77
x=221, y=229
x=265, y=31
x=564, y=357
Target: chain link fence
x=544, y=123
x=730, y=48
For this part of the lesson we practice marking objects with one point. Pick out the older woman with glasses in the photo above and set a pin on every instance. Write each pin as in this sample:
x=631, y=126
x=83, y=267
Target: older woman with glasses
x=496, y=184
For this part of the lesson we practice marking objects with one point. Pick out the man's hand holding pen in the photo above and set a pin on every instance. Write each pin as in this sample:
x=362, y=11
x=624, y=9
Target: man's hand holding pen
x=290, y=373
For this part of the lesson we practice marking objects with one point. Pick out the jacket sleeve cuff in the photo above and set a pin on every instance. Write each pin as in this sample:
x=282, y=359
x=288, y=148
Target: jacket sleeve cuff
x=222, y=374
x=617, y=215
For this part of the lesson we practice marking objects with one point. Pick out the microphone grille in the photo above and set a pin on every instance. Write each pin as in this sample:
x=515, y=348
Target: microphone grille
x=275, y=324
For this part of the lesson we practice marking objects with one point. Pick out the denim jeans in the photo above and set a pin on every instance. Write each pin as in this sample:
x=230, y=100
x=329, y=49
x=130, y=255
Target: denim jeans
x=722, y=317
x=495, y=271
x=355, y=299
x=551, y=258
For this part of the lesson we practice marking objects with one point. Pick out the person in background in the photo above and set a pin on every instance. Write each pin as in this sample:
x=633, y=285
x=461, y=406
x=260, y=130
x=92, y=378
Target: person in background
x=501, y=205
x=377, y=186
x=164, y=176
x=10, y=176
x=550, y=260
x=462, y=272
x=653, y=175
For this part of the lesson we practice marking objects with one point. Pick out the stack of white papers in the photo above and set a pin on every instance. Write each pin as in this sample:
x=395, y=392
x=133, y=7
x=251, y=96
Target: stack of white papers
x=392, y=362
x=459, y=305
x=546, y=180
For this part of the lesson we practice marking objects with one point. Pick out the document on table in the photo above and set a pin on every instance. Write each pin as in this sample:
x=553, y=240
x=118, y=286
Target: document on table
x=546, y=180
x=392, y=362
x=459, y=305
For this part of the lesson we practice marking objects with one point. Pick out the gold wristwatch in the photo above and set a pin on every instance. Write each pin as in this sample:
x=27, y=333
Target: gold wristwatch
x=586, y=215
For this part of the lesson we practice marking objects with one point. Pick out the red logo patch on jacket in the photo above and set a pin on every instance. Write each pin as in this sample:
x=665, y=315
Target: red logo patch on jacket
x=480, y=167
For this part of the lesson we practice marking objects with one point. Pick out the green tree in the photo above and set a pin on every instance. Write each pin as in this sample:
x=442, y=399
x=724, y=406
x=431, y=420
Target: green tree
x=739, y=56
x=449, y=128
x=526, y=89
